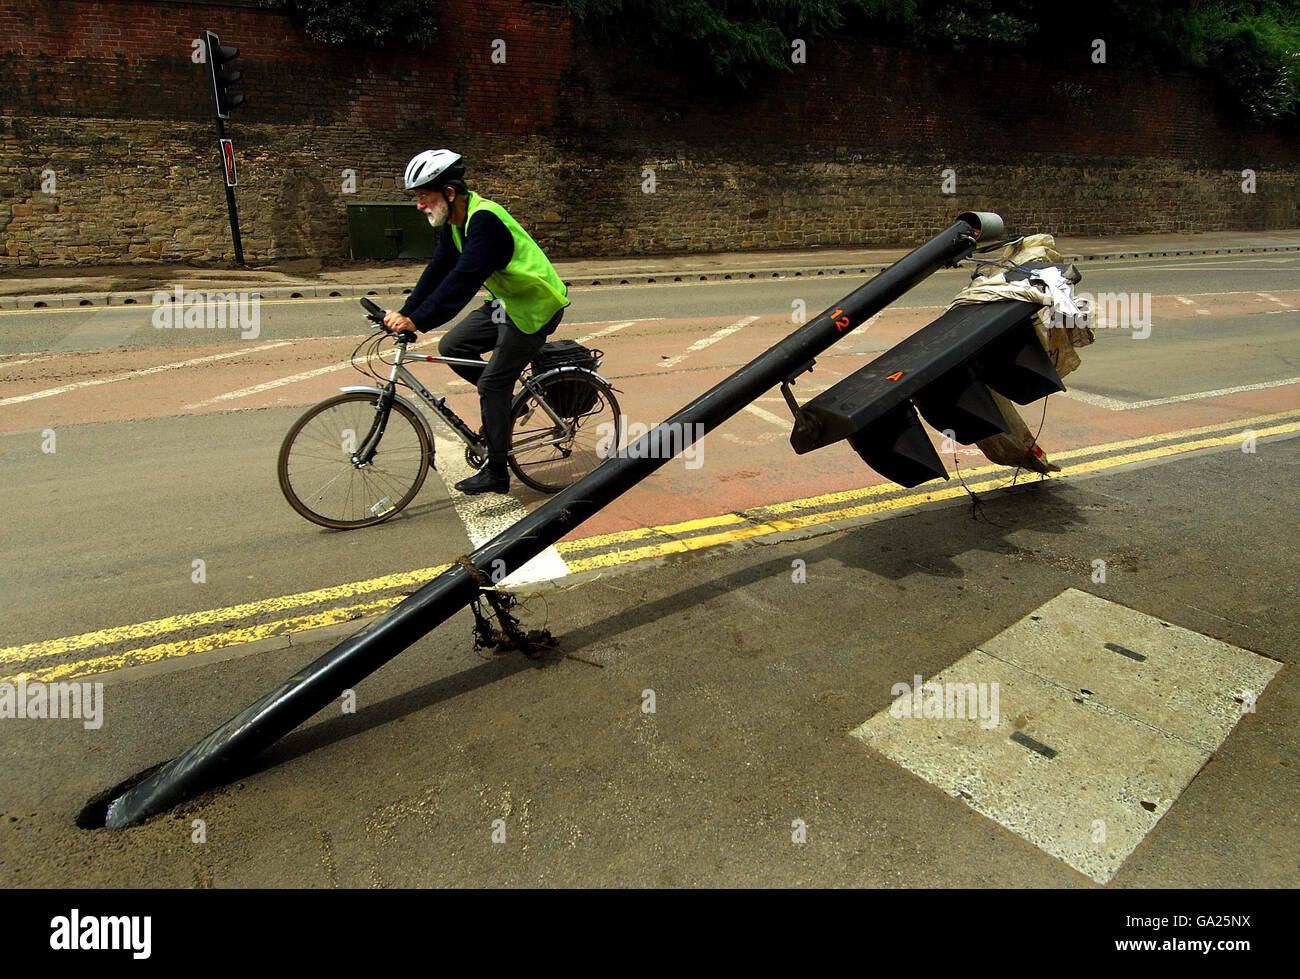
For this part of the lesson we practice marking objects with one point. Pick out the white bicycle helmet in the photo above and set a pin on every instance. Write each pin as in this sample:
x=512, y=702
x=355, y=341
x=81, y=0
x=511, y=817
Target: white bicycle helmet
x=433, y=168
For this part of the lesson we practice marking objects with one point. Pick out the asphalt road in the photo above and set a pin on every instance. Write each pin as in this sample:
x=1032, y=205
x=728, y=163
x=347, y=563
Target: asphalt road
x=760, y=681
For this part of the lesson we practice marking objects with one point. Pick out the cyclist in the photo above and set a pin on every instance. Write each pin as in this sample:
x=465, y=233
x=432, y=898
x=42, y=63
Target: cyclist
x=480, y=244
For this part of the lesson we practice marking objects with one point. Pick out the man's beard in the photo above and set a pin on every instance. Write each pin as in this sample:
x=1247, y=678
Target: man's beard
x=438, y=217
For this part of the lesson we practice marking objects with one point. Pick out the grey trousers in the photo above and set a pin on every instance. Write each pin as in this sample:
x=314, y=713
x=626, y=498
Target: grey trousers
x=511, y=351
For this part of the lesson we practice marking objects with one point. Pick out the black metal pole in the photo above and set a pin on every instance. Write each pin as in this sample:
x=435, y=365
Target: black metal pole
x=240, y=739
x=230, y=196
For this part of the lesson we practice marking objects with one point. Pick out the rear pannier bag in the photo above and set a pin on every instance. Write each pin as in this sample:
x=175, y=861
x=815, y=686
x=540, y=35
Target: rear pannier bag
x=568, y=398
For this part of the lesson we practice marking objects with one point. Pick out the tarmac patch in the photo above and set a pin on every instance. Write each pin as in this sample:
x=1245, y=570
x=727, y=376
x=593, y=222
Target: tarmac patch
x=1104, y=715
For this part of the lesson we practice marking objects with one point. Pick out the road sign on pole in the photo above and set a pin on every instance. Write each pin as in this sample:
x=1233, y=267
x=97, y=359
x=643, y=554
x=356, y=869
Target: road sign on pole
x=228, y=160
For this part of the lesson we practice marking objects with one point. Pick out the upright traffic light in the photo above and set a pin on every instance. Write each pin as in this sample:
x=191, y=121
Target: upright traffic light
x=944, y=371
x=223, y=76
x=219, y=57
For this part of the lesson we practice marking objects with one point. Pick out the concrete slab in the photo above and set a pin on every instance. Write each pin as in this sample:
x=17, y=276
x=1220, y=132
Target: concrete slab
x=1076, y=728
x=1187, y=684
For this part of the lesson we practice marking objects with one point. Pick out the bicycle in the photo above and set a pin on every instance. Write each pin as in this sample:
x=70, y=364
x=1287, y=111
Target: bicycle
x=564, y=421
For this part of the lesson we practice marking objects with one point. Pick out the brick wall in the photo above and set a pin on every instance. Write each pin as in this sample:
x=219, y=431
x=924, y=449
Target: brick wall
x=846, y=149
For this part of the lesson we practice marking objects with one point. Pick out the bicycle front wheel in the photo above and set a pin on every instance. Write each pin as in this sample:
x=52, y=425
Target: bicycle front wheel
x=325, y=481
x=548, y=456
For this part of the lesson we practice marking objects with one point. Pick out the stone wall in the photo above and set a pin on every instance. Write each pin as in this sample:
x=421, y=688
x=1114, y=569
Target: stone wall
x=848, y=149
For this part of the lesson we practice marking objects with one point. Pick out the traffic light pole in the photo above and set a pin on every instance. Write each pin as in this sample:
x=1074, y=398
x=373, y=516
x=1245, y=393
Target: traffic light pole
x=230, y=195
x=223, y=78
x=230, y=748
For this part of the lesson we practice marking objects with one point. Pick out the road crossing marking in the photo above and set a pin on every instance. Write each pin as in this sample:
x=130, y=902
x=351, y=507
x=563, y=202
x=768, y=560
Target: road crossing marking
x=488, y=514
x=130, y=375
x=708, y=341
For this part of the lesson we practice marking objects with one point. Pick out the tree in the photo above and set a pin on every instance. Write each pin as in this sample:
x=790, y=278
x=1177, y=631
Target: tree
x=734, y=41
x=1250, y=46
x=362, y=21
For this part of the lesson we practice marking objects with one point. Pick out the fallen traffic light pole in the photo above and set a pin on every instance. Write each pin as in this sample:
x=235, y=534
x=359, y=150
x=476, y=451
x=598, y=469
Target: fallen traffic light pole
x=228, y=750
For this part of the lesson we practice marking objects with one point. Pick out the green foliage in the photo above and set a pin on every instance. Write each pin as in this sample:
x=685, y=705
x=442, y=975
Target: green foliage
x=1257, y=53
x=364, y=22
x=735, y=41
x=970, y=25
x=1251, y=46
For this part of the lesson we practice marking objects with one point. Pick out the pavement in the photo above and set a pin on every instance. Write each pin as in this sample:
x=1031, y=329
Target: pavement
x=464, y=770
x=730, y=640
x=56, y=286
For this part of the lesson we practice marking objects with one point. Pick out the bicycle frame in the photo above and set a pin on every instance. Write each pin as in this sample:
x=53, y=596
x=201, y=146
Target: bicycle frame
x=399, y=374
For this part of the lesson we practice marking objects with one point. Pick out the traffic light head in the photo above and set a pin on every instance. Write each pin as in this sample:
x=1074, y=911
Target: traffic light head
x=223, y=76
x=945, y=371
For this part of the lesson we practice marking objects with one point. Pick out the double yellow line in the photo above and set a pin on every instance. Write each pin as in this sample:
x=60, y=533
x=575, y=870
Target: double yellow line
x=780, y=518
x=12, y=658
x=588, y=554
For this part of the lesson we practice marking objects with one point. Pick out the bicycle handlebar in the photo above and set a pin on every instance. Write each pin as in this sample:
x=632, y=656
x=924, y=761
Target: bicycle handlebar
x=374, y=312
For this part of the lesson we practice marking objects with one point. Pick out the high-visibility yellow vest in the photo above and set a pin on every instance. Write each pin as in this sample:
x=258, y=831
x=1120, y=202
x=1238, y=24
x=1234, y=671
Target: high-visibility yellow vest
x=529, y=287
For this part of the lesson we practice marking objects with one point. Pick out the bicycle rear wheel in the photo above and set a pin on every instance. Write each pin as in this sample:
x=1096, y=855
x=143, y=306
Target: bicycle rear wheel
x=543, y=455
x=324, y=481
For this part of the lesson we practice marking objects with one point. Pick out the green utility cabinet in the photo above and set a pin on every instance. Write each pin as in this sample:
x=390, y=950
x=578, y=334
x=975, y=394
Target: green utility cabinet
x=384, y=230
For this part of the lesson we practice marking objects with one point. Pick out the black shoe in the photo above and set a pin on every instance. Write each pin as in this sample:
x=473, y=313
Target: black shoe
x=487, y=480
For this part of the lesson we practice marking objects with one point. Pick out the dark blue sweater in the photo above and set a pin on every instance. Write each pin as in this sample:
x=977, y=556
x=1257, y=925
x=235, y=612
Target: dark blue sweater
x=452, y=278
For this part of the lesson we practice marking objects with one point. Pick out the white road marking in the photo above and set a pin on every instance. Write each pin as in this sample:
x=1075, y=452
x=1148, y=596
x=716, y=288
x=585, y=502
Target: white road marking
x=1236, y=265
x=802, y=395
x=1186, y=302
x=642, y=319
x=767, y=416
x=763, y=438
x=1064, y=702
x=708, y=341
x=1232, y=292
x=1114, y=404
x=606, y=332
x=268, y=386
x=77, y=385
x=488, y=514
x=1274, y=299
